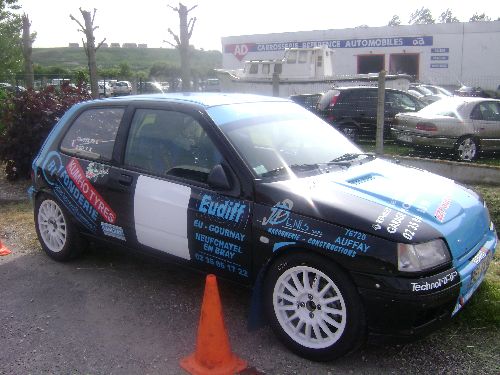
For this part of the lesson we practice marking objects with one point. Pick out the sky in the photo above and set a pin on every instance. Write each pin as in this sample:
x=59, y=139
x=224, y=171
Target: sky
x=147, y=21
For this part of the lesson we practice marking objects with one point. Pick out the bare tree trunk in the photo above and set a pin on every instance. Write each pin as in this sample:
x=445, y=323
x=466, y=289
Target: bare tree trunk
x=29, y=76
x=185, y=32
x=90, y=47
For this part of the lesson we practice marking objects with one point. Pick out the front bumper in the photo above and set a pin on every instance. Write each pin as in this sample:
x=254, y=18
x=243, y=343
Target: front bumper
x=414, y=139
x=412, y=307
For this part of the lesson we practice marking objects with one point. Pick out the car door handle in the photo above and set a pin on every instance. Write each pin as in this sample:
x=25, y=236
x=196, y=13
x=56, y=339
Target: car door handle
x=125, y=179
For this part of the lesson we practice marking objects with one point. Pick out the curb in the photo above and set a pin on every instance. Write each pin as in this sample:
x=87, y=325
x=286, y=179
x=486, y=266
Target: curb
x=467, y=173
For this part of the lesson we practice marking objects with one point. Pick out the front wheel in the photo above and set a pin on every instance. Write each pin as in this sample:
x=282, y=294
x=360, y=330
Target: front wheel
x=57, y=235
x=466, y=149
x=313, y=307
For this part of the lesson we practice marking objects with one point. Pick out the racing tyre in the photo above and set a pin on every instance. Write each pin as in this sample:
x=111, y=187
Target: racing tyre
x=313, y=307
x=466, y=149
x=57, y=234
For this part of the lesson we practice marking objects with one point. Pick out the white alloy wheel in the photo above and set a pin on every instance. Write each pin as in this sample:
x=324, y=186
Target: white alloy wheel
x=467, y=149
x=52, y=225
x=309, y=307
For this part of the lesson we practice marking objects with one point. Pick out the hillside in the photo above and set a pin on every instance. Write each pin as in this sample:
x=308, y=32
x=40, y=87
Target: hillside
x=139, y=59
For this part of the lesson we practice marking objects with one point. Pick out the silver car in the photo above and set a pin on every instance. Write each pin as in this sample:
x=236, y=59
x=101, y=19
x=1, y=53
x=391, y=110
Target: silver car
x=463, y=125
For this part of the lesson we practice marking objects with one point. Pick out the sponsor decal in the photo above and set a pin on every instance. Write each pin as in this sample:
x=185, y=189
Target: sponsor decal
x=111, y=230
x=226, y=210
x=84, y=143
x=75, y=191
x=440, y=282
x=381, y=218
x=75, y=172
x=283, y=223
x=96, y=170
x=280, y=213
x=217, y=235
x=442, y=209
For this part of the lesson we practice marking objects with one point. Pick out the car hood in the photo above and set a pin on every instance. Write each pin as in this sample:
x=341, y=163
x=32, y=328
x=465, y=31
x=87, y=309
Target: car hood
x=399, y=203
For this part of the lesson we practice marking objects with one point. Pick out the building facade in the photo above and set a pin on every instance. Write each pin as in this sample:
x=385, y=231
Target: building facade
x=443, y=54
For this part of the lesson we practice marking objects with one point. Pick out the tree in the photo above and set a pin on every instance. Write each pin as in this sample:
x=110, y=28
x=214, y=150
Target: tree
x=421, y=16
x=10, y=40
x=447, y=17
x=395, y=21
x=479, y=18
x=125, y=71
x=89, y=47
x=182, y=42
x=28, y=40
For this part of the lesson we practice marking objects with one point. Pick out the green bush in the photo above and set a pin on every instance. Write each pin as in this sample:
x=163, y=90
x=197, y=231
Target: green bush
x=27, y=119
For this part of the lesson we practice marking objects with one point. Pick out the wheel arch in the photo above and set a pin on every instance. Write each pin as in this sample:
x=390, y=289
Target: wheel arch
x=256, y=316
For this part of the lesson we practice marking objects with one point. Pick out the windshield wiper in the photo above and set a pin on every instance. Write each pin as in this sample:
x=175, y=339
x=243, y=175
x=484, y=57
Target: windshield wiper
x=349, y=157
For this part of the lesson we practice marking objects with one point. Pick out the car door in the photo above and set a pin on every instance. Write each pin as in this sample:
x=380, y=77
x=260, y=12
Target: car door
x=83, y=168
x=172, y=209
x=486, y=124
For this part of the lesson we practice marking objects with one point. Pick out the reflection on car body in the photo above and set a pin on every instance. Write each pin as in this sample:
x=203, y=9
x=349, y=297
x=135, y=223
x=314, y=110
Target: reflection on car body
x=332, y=240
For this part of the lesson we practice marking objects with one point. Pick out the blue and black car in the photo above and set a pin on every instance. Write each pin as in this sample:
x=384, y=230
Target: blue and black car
x=334, y=241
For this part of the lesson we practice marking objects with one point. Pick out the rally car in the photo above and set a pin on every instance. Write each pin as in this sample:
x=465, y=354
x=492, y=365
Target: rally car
x=335, y=242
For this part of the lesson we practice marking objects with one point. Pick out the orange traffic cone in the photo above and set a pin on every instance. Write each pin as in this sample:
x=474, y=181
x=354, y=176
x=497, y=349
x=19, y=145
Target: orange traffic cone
x=3, y=249
x=213, y=355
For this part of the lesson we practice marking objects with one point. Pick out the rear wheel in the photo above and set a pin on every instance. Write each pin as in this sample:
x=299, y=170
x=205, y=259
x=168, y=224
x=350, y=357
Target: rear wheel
x=57, y=235
x=313, y=307
x=466, y=149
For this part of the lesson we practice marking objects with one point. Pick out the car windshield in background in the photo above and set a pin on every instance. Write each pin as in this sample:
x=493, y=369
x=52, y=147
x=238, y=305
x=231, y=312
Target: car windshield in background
x=281, y=139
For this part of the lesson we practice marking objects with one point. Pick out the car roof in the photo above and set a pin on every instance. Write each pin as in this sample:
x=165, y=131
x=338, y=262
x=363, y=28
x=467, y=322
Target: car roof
x=204, y=99
x=349, y=88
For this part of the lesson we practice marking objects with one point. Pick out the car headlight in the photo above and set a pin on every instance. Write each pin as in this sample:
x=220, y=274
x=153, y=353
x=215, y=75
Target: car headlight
x=422, y=256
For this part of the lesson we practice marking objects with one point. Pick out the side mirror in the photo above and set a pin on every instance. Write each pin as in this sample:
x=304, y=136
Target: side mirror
x=218, y=178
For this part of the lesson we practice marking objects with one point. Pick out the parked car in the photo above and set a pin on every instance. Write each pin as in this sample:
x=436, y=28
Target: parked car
x=471, y=91
x=437, y=90
x=463, y=126
x=212, y=85
x=105, y=89
x=423, y=94
x=353, y=110
x=122, y=88
x=308, y=101
x=7, y=87
x=333, y=241
x=149, y=88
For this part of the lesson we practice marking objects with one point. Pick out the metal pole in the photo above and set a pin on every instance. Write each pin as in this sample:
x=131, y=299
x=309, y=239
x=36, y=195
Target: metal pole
x=276, y=84
x=379, y=140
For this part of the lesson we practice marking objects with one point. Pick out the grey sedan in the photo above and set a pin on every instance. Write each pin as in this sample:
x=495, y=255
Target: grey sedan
x=463, y=125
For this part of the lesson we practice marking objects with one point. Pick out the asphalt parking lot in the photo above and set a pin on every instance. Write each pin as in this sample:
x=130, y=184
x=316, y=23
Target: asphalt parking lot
x=115, y=313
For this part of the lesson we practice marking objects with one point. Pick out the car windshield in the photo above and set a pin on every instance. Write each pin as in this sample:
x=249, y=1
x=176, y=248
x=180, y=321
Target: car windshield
x=282, y=139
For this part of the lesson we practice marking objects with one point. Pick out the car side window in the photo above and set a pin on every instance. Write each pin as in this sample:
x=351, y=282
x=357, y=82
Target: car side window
x=92, y=135
x=486, y=111
x=170, y=143
x=401, y=102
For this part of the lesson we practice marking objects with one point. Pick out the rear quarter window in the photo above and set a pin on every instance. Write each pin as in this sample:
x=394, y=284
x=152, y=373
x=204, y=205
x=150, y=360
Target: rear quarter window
x=92, y=135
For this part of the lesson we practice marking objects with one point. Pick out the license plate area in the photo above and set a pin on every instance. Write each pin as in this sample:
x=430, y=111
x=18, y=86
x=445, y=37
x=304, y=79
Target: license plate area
x=482, y=259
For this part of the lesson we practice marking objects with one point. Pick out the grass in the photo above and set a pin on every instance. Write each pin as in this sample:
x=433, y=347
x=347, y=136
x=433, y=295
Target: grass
x=391, y=148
